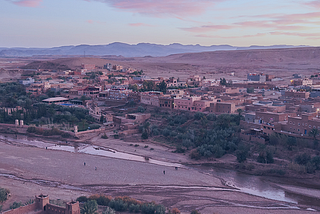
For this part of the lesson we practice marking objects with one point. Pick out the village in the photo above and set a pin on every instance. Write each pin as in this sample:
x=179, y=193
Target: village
x=266, y=106
x=259, y=124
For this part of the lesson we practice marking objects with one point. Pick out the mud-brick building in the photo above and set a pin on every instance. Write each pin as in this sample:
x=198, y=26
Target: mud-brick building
x=42, y=205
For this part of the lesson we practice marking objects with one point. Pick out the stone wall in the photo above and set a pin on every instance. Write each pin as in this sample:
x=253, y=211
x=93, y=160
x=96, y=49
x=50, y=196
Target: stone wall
x=24, y=209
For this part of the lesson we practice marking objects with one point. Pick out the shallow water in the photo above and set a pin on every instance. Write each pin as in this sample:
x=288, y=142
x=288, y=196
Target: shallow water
x=254, y=185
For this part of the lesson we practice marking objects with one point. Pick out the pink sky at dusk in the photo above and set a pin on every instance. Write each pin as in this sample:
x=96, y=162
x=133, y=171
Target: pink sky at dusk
x=47, y=23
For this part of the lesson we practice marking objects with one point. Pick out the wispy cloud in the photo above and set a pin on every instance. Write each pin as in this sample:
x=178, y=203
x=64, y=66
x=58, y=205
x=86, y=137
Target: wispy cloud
x=206, y=28
x=315, y=4
x=139, y=25
x=95, y=22
x=162, y=8
x=26, y=3
x=282, y=22
x=232, y=37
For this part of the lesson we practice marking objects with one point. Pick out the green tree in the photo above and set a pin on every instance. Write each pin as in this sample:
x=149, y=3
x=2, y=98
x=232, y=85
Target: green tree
x=90, y=207
x=291, y=142
x=314, y=132
x=133, y=87
x=250, y=90
x=162, y=86
x=223, y=81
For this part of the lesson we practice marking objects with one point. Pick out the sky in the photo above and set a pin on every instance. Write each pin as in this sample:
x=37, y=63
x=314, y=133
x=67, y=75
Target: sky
x=52, y=23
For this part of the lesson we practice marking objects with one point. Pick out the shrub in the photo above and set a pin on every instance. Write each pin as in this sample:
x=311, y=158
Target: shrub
x=141, y=109
x=94, y=126
x=82, y=199
x=136, y=145
x=302, y=159
x=109, y=211
x=4, y=194
x=310, y=168
x=104, y=200
x=242, y=155
x=118, y=205
x=16, y=205
x=195, y=212
x=316, y=161
x=144, y=135
x=134, y=208
x=179, y=149
x=152, y=208
x=195, y=155
x=175, y=211
x=104, y=136
x=31, y=129
x=65, y=135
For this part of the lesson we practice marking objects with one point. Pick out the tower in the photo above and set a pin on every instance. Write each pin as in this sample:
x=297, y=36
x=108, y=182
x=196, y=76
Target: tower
x=73, y=207
x=42, y=201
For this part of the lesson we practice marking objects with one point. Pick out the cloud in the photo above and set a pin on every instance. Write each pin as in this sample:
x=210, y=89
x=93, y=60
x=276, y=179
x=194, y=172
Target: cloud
x=206, y=28
x=231, y=37
x=315, y=4
x=95, y=22
x=139, y=25
x=282, y=22
x=26, y=3
x=162, y=8
x=314, y=36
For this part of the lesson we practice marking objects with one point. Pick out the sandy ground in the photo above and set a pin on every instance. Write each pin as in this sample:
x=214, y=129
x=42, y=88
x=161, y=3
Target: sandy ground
x=28, y=171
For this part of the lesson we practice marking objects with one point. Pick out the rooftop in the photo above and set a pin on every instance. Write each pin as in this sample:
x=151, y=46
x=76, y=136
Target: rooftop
x=55, y=99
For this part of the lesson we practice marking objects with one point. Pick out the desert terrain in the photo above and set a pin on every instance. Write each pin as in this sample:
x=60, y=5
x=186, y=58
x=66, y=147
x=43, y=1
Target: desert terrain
x=279, y=62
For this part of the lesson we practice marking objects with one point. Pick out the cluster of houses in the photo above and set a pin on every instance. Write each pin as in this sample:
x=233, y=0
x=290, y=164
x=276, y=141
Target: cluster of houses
x=268, y=107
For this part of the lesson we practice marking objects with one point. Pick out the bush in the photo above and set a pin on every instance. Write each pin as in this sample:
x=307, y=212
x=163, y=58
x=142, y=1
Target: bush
x=94, y=126
x=104, y=136
x=109, y=211
x=152, y=208
x=302, y=159
x=15, y=205
x=104, y=200
x=175, y=211
x=195, y=212
x=118, y=205
x=179, y=149
x=310, y=168
x=3, y=194
x=31, y=129
x=195, y=155
x=242, y=155
x=82, y=199
x=141, y=109
x=65, y=135
x=134, y=208
x=145, y=135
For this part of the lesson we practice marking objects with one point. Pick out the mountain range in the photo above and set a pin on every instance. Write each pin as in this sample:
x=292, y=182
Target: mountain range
x=126, y=50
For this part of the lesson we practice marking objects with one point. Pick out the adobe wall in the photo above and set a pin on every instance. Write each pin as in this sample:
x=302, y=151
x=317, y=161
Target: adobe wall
x=24, y=209
x=53, y=209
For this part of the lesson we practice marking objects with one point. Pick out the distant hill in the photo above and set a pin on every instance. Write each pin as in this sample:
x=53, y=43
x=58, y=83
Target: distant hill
x=126, y=50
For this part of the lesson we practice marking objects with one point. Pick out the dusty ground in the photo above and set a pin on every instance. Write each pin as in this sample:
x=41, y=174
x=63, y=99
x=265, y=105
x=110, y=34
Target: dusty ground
x=62, y=175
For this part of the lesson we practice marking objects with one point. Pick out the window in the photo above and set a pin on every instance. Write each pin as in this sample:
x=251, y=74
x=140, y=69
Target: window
x=298, y=124
x=310, y=126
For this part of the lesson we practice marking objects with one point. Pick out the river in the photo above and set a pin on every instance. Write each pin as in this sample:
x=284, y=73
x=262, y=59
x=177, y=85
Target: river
x=254, y=185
